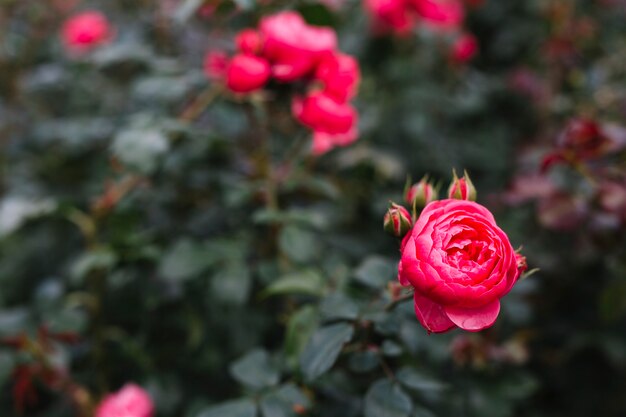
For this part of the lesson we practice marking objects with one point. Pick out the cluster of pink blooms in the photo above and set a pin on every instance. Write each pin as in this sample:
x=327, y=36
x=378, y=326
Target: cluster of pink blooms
x=286, y=49
x=85, y=31
x=402, y=16
x=130, y=401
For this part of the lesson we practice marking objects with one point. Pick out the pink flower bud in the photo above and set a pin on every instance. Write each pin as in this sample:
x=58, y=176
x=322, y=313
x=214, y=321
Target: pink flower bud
x=85, y=31
x=464, y=48
x=420, y=194
x=462, y=188
x=522, y=266
x=247, y=73
x=249, y=42
x=130, y=401
x=397, y=221
x=215, y=65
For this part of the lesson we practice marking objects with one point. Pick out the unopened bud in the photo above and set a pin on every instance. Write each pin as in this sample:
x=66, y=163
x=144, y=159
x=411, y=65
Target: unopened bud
x=462, y=188
x=397, y=220
x=522, y=266
x=420, y=194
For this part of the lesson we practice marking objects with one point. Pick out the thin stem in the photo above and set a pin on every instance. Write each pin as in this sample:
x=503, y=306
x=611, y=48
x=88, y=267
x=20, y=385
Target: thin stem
x=397, y=301
x=200, y=103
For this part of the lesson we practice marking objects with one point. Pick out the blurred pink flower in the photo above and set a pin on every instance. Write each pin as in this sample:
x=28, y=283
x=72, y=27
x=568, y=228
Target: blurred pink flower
x=292, y=46
x=340, y=75
x=85, y=31
x=249, y=41
x=333, y=122
x=391, y=15
x=440, y=14
x=464, y=48
x=247, y=73
x=215, y=64
x=130, y=401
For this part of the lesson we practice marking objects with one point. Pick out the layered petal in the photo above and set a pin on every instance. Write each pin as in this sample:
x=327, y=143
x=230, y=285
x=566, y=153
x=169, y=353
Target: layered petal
x=431, y=315
x=474, y=319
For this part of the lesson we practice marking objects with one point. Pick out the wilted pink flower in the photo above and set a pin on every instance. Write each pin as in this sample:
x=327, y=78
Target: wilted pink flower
x=215, y=64
x=85, y=31
x=562, y=211
x=340, y=75
x=292, y=46
x=460, y=264
x=247, y=73
x=333, y=122
x=130, y=401
x=440, y=14
x=464, y=48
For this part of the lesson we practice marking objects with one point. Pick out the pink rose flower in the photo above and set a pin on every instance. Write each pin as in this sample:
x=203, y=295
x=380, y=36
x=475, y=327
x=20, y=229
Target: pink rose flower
x=441, y=14
x=249, y=42
x=130, y=401
x=85, y=31
x=460, y=264
x=340, y=75
x=247, y=73
x=464, y=48
x=391, y=15
x=333, y=122
x=292, y=46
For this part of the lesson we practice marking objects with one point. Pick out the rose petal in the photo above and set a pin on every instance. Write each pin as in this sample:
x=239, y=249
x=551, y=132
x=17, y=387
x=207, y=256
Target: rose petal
x=431, y=315
x=474, y=319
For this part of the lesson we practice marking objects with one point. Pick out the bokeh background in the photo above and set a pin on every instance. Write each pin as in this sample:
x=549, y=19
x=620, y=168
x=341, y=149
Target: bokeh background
x=138, y=242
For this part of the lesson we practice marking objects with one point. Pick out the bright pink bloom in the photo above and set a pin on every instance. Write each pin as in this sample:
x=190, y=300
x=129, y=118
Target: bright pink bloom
x=464, y=48
x=292, y=46
x=130, y=401
x=247, y=73
x=460, y=264
x=340, y=75
x=441, y=14
x=215, y=64
x=333, y=122
x=85, y=31
x=391, y=15
x=249, y=42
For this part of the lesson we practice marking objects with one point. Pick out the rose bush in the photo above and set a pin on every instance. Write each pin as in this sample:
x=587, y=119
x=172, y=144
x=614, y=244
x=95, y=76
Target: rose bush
x=162, y=224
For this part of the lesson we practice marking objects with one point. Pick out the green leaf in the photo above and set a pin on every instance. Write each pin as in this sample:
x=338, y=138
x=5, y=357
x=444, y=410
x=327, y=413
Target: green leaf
x=140, y=149
x=386, y=399
x=255, y=370
x=238, y=408
x=375, y=272
x=98, y=259
x=411, y=378
x=338, y=306
x=281, y=402
x=362, y=362
x=300, y=327
x=324, y=348
x=298, y=244
x=232, y=284
x=306, y=282
x=184, y=260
